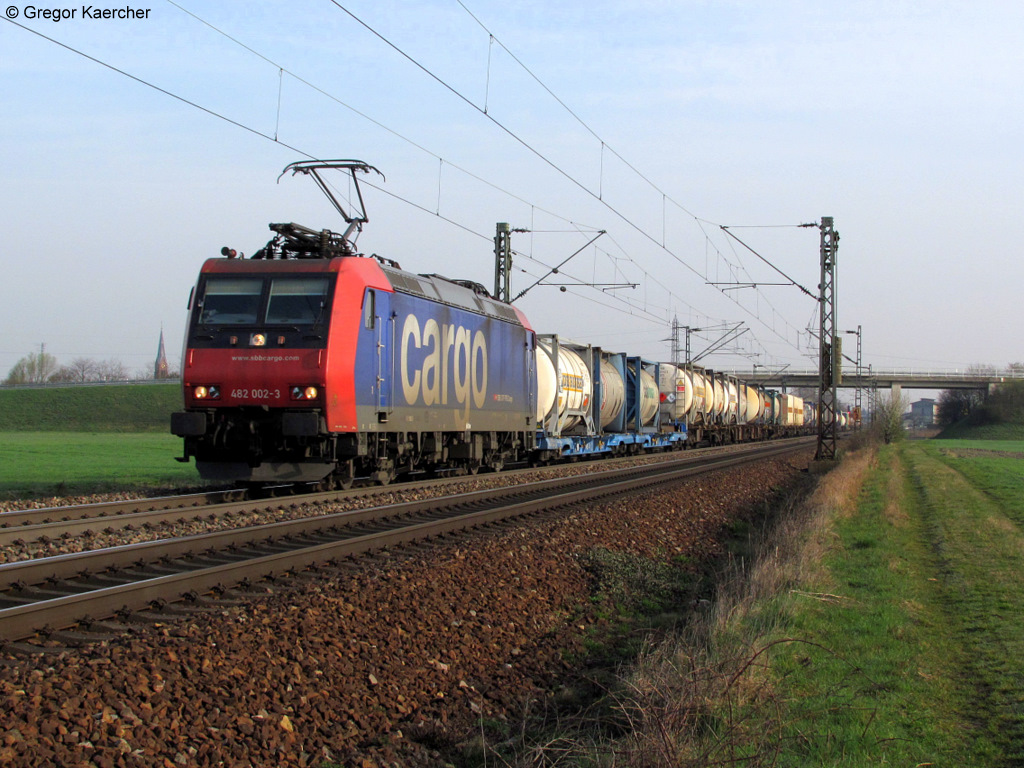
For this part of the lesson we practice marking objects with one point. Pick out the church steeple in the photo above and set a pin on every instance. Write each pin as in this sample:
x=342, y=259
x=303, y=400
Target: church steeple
x=160, y=368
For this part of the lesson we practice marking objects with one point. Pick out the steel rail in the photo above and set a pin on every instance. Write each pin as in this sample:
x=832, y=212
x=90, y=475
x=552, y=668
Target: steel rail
x=60, y=601
x=24, y=527
x=26, y=517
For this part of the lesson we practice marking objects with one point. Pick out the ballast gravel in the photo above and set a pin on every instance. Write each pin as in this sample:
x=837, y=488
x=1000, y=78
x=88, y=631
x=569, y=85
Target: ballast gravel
x=289, y=508
x=371, y=663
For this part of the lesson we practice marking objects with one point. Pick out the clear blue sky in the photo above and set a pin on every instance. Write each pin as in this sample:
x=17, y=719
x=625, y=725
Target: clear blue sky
x=901, y=120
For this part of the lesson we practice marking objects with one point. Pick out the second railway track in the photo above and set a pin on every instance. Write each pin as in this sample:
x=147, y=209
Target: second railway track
x=61, y=591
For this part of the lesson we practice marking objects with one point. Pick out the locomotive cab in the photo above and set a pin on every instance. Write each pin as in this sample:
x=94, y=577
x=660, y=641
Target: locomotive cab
x=251, y=382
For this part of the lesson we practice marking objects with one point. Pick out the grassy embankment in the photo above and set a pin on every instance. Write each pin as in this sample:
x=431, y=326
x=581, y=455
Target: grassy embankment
x=881, y=624
x=74, y=440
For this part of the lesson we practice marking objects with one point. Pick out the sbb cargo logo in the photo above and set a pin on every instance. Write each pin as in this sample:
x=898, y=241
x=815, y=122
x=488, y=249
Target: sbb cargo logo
x=444, y=364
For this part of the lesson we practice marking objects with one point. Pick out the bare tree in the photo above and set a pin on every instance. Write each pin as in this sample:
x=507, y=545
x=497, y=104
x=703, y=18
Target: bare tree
x=82, y=369
x=64, y=375
x=888, y=418
x=34, y=368
x=111, y=370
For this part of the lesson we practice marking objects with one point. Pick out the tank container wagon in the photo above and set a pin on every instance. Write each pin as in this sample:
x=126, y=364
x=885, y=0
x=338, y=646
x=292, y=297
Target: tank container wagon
x=713, y=408
x=591, y=402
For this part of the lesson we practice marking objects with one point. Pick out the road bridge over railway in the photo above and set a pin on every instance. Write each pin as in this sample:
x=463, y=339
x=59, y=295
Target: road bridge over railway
x=871, y=379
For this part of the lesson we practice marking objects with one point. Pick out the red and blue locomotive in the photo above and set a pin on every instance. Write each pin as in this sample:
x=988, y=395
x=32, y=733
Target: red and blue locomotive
x=309, y=363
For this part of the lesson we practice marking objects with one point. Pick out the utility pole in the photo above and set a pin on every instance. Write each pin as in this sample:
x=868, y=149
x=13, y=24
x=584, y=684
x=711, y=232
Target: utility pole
x=675, y=342
x=830, y=358
x=503, y=262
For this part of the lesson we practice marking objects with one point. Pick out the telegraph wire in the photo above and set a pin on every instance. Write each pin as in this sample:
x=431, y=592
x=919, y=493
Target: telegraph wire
x=541, y=156
x=762, y=258
x=567, y=108
x=604, y=146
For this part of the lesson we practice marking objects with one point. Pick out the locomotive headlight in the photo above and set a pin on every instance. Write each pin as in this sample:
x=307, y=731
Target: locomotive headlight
x=206, y=392
x=304, y=393
x=258, y=340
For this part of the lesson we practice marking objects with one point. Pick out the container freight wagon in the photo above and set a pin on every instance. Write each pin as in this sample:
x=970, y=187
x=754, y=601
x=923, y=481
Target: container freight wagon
x=591, y=402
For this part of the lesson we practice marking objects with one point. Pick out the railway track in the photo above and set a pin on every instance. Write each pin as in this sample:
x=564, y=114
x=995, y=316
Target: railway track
x=66, y=590
x=53, y=523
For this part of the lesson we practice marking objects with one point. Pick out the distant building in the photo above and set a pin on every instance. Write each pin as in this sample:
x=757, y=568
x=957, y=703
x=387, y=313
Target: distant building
x=923, y=412
x=160, y=368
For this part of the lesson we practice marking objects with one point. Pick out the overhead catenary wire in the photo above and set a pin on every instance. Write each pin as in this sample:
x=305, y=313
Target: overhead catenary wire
x=281, y=71
x=276, y=140
x=528, y=146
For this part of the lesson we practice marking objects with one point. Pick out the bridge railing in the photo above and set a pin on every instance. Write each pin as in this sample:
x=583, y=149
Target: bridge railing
x=952, y=376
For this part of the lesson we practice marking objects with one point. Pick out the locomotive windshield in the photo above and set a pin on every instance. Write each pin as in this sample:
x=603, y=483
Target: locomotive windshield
x=297, y=300
x=291, y=300
x=232, y=300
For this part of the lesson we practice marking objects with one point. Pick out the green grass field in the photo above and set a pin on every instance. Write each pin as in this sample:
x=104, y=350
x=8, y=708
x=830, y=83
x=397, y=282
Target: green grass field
x=89, y=439
x=910, y=640
x=115, y=408
x=63, y=463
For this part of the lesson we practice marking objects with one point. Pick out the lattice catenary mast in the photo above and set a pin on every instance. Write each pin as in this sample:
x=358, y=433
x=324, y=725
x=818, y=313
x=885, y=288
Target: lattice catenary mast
x=830, y=344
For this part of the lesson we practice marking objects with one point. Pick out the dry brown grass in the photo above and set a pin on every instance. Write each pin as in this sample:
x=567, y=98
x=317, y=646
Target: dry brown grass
x=706, y=697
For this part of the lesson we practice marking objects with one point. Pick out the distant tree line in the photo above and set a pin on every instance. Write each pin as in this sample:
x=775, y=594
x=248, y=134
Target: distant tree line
x=43, y=368
x=1004, y=405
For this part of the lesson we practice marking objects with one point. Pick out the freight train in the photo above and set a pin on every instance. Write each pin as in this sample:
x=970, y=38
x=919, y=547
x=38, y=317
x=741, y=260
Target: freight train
x=311, y=363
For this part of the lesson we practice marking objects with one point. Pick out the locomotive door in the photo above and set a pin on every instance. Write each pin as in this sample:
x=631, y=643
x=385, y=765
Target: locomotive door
x=378, y=307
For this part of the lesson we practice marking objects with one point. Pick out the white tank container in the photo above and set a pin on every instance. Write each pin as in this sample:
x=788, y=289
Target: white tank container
x=698, y=398
x=567, y=390
x=649, y=398
x=790, y=406
x=734, y=402
x=613, y=393
x=699, y=404
x=674, y=386
x=720, y=402
x=753, y=405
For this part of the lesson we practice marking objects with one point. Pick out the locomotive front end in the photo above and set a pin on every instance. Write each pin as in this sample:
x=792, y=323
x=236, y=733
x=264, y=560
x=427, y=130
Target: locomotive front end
x=253, y=371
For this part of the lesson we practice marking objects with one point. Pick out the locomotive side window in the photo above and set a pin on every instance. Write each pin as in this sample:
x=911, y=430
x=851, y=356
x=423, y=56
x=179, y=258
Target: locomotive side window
x=369, y=309
x=231, y=300
x=297, y=301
